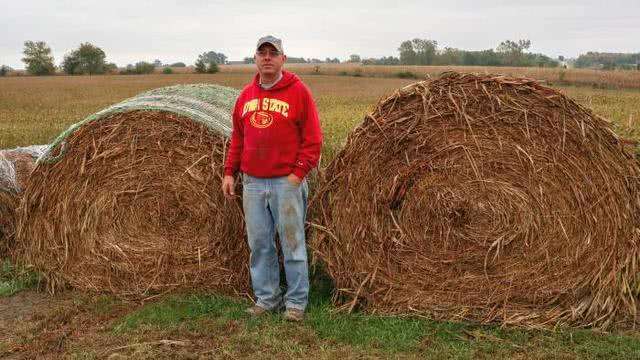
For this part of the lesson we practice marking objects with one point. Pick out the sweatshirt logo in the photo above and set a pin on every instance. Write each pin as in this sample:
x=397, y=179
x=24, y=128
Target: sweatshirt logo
x=266, y=104
x=261, y=119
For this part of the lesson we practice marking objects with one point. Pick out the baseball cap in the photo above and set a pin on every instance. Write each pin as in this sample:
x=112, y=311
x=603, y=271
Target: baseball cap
x=277, y=43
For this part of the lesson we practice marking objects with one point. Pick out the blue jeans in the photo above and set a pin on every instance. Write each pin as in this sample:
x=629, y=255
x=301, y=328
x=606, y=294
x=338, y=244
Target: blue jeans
x=272, y=204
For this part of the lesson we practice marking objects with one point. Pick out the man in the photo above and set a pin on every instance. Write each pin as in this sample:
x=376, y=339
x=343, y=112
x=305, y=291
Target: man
x=275, y=142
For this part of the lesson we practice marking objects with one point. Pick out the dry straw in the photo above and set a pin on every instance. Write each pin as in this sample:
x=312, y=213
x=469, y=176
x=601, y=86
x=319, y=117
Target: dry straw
x=483, y=198
x=128, y=201
x=15, y=168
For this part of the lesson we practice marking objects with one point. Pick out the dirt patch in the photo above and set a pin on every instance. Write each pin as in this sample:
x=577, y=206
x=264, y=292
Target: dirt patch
x=37, y=325
x=18, y=308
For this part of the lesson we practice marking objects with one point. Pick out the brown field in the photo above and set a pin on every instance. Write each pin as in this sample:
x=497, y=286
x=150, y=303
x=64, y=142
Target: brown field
x=597, y=78
x=74, y=325
x=35, y=109
x=618, y=79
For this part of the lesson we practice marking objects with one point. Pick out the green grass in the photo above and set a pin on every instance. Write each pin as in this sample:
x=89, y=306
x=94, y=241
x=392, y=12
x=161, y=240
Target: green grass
x=14, y=279
x=176, y=310
x=391, y=335
x=370, y=334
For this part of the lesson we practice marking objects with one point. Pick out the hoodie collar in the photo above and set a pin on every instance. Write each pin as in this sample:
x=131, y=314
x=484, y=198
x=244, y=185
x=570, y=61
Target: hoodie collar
x=269, y=86
x=286, y=80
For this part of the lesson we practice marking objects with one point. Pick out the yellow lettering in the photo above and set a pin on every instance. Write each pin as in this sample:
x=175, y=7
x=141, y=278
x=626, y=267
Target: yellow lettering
x=268, y=104
x=273, y=105
x=251, y=105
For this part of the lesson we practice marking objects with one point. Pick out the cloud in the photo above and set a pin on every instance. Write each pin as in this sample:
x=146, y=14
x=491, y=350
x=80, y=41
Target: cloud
x=131, y=31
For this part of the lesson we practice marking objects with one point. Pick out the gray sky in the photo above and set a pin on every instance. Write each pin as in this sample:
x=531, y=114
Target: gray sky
x=134, y=30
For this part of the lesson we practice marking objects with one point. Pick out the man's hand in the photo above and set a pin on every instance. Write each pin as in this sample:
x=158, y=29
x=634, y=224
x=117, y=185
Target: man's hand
x=228, y=186
x=293, y=179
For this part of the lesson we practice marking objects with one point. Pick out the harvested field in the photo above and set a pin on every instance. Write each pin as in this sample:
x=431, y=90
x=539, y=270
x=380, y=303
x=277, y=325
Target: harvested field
x=597, y=78
x=128, y=201
x=483, y=198
x=15, y=168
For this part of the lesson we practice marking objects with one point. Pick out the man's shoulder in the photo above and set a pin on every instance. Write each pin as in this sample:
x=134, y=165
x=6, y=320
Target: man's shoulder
x=247, y=88
x=301, y=87
x=246, y=92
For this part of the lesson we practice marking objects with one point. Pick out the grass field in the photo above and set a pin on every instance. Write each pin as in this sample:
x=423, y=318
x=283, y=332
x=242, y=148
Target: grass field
x=191, y=326
x=589, y=77
x=629, y=79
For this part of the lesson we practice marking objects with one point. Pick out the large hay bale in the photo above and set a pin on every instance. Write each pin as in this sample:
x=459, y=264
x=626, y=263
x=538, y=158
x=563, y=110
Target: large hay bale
x=128, y=201
x=483, y=198
x=15, y=168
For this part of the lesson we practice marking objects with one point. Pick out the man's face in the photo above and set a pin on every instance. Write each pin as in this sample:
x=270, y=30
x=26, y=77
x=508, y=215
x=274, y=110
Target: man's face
x=269, y=60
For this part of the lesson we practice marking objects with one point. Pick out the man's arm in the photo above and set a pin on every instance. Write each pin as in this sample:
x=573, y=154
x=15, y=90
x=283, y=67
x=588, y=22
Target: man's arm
x=234, y=154
x=309, y=152
x=232, y=163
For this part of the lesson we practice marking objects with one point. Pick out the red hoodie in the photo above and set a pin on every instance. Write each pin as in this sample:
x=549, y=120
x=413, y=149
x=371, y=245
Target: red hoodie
x=276, y=131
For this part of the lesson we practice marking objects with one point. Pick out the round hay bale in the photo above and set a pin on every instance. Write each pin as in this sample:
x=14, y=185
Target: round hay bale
x=8, y=204
x=483, y=198
x=128, y=201
x=15, y=168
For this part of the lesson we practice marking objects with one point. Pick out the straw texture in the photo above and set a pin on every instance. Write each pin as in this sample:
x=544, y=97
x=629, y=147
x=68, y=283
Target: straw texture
x=15, y=168
x=483, y=198
x=128, y=201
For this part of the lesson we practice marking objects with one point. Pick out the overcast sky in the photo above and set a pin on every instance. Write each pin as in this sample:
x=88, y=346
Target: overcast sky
x=134, y=30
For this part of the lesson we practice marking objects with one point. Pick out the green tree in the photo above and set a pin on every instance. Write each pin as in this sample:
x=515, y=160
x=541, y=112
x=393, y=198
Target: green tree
x=143, y=67
x=354, y=58
x=38, y=58
x=296, y=60
x=208, y=62
x=88, y=59
x=608, y=60
x=385, y=60
x=213, y=57
x=201, y=66
x=425, y=51
x=513, y=52
x=407, y=53
x=178, y=64
x=4, y=70
x=110, y=68
x=449, y=56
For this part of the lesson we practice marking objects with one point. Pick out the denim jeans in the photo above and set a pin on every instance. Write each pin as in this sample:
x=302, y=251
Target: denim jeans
x=272, y=204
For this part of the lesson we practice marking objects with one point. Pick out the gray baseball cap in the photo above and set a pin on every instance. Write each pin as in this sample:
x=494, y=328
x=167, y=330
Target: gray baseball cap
x=277, y=43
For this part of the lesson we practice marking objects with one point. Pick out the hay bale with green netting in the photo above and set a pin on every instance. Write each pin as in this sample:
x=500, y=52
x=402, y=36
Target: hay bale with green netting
x=15, y=168
x=483, y=198
x=128, y=200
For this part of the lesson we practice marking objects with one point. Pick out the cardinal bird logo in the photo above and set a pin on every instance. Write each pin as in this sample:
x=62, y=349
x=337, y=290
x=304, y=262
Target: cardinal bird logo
x=261, y=119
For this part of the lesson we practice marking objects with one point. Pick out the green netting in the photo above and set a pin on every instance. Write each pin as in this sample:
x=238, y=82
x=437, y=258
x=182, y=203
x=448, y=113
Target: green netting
x=208, y=104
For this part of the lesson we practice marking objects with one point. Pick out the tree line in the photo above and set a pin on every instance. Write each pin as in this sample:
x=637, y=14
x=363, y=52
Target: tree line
x=608, y=61
x=89, y=59
x=426, y=52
